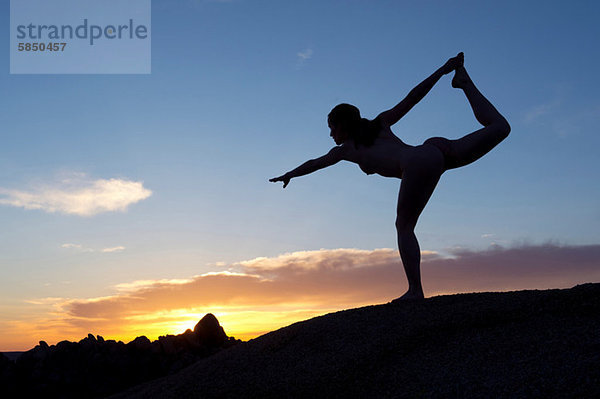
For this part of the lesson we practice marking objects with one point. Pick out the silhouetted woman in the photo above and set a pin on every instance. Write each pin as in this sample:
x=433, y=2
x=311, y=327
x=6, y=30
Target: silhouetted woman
x=373, y=146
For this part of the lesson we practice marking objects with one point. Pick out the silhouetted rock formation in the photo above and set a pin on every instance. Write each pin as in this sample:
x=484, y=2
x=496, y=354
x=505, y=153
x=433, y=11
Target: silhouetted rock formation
x=209, y=330
x=526, y=344
x=94, y=367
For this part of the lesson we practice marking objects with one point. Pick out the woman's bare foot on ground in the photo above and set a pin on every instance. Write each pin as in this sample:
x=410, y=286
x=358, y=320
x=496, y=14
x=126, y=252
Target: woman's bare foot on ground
x=410, y=295
x=461, y=78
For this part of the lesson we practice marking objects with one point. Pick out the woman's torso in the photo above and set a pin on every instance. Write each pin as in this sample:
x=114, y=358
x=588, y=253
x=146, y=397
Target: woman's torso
x=386, y=157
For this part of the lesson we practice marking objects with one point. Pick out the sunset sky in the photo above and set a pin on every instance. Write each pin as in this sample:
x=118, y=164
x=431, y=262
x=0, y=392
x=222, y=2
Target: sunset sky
x=135, y=204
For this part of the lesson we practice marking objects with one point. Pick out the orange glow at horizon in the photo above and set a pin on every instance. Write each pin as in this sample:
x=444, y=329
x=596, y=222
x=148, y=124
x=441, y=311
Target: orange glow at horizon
x=240, y=324
x=269, y=293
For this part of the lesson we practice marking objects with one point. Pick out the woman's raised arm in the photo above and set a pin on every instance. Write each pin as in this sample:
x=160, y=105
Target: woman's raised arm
x=391, y=116
x=335, y=155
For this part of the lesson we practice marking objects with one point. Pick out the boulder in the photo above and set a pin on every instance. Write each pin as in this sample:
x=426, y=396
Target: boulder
x=140, y=343
x=209, y=332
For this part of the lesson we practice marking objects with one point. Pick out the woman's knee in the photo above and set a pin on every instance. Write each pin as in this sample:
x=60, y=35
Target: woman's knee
x=404, y=225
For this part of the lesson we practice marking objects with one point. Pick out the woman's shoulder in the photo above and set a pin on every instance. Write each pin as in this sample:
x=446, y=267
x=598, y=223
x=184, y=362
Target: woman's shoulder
x=386, y=133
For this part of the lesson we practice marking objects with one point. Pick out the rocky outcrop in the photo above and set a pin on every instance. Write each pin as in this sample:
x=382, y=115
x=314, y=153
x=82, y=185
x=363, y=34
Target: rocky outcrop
x=94, y=367
x=209, y=330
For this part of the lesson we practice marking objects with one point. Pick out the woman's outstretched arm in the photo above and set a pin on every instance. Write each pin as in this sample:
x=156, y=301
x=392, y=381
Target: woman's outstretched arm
x=390, y=117
x=335, y=155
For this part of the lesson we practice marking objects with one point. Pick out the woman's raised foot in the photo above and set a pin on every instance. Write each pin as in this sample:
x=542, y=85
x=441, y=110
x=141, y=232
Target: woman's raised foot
x=461, y=78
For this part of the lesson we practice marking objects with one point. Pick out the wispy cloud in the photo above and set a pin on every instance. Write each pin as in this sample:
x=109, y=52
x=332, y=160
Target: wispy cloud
x=71, y=245
x=46, y=301
x=150, y=284
x=76, y=247
x=334, y=259
x=538, y=111
x=114, y=249
x=81, y=248
x=303, y=56
x=78, y=195
x=563, y=117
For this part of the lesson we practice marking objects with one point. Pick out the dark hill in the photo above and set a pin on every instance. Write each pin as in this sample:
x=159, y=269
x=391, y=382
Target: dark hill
x=503, y=345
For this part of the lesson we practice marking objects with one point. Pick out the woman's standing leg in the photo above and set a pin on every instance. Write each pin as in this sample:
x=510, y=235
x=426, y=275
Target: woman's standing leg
x=418, y=183
x=475, y=145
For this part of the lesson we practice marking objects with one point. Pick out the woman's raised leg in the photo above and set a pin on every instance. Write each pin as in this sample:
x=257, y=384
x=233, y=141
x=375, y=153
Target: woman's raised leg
x=475, y=145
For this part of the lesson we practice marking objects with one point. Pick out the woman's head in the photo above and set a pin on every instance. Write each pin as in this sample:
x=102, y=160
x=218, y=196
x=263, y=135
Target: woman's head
x=343, y=120
x=345, y=123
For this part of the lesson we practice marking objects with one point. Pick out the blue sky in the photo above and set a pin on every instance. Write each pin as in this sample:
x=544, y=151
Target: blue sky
x=239, y=92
